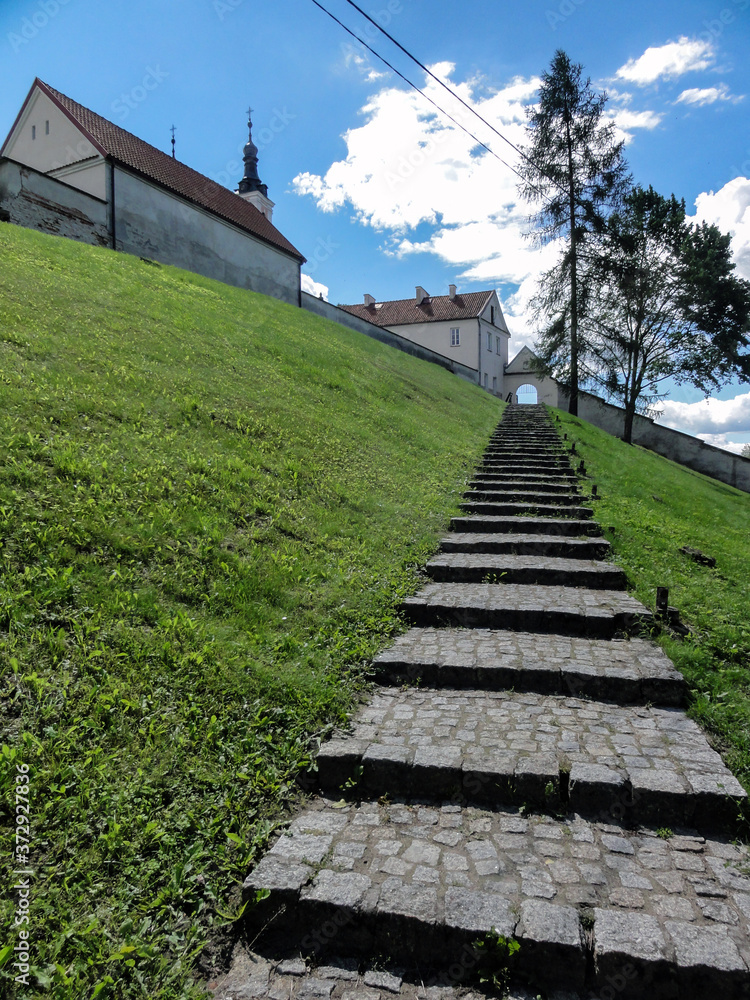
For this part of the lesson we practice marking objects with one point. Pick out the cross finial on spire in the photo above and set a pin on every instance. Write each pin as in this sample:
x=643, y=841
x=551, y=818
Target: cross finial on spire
x=173, y=130
x=250, y=112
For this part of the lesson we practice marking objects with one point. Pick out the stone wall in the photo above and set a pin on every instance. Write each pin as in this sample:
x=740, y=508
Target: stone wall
x=682, y=448
x=151, y=222
x=29, y=198
x=329, y=311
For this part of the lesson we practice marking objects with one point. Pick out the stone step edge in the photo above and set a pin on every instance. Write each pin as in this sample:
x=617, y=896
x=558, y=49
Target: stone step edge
x=422, y=612
x=531, y=569
x=618, y=686
x=530, y=544
x=629, y=954
x=358, y=770
x=534, y=509
x=515, y=524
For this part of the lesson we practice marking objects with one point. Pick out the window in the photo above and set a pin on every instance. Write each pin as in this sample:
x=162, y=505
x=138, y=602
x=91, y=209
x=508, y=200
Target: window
x=492, y=315
x=494, y=383
x=497, y=345
x=489, y=341
x=33, y=131
x=485, y=380
x=46, y=128
x=455, y=336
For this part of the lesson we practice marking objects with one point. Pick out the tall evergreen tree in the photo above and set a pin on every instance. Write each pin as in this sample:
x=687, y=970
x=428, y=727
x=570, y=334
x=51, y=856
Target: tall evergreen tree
x=574, y=168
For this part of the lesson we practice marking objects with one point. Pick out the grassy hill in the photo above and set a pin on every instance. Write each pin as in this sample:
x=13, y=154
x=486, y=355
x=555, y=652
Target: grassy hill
x=210, y=505
x=650, y=508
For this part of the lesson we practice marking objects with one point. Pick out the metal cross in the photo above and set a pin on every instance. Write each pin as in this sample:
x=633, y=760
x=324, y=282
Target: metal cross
x=173, y=130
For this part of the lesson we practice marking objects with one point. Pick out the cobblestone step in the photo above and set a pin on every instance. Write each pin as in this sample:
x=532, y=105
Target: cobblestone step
x=531, y=468
x=483, y=481
x=522, y=459
x=527, y=545
x=518, y=509
x=616, y=670
x=532, y=704
x=485, y=524
x=603, y=761
x=588, y=902
x=531, y=498
x=599, y=614
x=459, y=567
x=297, y=976
x=525, y=451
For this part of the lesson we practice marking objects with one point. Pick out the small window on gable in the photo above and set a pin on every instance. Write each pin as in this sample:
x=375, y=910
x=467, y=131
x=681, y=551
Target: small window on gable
x=455, y=336
x=33, y=131
x=492, y=315
x=46, y=128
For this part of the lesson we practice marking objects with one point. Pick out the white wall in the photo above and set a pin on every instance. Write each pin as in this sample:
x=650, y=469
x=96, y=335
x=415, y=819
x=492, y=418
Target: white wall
x=384, y=336
x=65, y=143
x=151, y=222
x=91, y=177
x=437, y=337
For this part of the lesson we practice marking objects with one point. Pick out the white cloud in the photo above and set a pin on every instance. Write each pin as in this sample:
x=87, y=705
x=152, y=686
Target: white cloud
x=668, y=61
x=353, y=56
x=708, y=417
x=722, y=441
x=729, y=209
x=314, y=287
x=407, y=166
x=707, y=95
x=626, y=121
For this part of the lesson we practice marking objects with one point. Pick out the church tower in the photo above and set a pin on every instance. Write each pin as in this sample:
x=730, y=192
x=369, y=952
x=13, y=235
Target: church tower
x=250, y=187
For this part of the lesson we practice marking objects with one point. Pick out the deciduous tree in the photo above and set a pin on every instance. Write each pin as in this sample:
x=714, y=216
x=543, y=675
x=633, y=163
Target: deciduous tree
x=664, y=304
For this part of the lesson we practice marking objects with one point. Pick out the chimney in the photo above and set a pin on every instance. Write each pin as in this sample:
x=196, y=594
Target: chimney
x=421, y=295
x=452, y=291
x=369, y=301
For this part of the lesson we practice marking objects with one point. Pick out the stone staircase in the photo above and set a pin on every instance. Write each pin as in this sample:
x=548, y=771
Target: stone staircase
x=524, y=767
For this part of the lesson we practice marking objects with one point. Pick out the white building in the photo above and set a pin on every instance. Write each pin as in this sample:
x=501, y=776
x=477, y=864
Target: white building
x=468, y=329
x=66, y=170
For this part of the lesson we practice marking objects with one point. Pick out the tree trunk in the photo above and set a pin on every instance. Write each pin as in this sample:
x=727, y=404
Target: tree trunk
x=573, y=404
x=627, y=433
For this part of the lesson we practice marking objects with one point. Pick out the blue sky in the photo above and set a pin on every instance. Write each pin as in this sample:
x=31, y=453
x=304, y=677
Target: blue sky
x=376, y=190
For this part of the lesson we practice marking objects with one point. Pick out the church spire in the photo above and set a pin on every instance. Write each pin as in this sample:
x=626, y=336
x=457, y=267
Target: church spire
x=251, y=181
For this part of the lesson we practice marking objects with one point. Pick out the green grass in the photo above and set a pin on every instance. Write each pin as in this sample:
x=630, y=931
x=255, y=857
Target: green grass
x=650, y=509
x=211, y=505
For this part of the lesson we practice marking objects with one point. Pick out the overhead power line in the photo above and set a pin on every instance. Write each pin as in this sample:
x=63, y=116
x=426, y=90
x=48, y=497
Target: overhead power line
x=457, y=96
x=419, y=90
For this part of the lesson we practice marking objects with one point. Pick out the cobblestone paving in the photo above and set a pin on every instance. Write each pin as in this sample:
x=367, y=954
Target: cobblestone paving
x=510, y=509
x=511, y=568
x=255, y=976
x=489, y=659
x=525, y=876
x=500, y=746
x=537, y=607
x=487, y=523
x=548, y=546
x=500, y=797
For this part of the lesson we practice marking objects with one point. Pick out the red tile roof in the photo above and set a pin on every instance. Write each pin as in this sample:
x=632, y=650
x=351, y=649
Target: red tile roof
x=130, y=151
x=438, y=307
